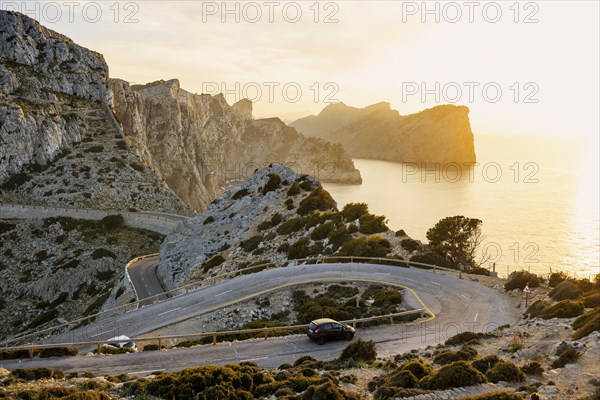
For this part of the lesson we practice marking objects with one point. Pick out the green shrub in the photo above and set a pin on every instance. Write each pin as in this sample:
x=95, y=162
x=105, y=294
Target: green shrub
x=457, y=374
x=359, y=350
x=151, y=347
x=449, y=356
x=303, y=360
x=565, y=290
x=486, y=363
x=58, y=352
x=291, y=225
x=353, y=211
x=467, y=336
x=497, y=396
x=586, y=324
x=391, y=392
x=569, y=356
x=325, y=391
x=209, y=220
x=300, y=249
x=432, y=258
x=370, y=223
x=272, y=184
x=591, y=300
x=505, y=371
x=417, y=368
x=294, y=189
x=404, y=379
x=518, y=280
x=15, y=181
x=34, y=374
x=103, y=253
x=251, y=244
x=276, y=219
x=409, y=244
x=533, y=368
x=321, y=231
x=113, y=350
x=318, y=200
x=556, y=278
x=563, y=309
x=374, y=246
x=17, y=354
x=213, y=262
x=537, y=308
x=239, y=194
x=112, y=222
x=263, y=226
x=387, y=297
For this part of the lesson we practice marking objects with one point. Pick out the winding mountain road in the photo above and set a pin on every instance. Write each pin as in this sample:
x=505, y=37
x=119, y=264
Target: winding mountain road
x=458, y=305
x=144, y=280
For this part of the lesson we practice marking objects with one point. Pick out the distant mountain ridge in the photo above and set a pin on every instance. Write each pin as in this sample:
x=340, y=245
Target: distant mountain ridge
x=197, y=143
x=440, y=134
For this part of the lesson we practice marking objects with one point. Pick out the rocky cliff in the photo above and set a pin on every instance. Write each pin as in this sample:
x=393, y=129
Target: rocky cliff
x=198, y=143
x=440, y=134
x=60, y=143
x=275, y=215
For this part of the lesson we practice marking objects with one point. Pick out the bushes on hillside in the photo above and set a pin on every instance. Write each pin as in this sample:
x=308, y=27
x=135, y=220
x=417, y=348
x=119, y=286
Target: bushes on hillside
x=432, y=258
x=272, y=184
x=518, y=280
x=239, y=194
x=291, y=225
x=417, y=368
x=34, y=374
x=569, y=356
x=318, y=200
x=457, y=374
x=448, y=356
x=409, y=244
x=374, y=246
x=566, y=290
x=58, y=352
x=112, y=222
x=586, y=324
x=17, y=354
x=486, y=363
x=532, y=368
x=562, y=309
x=213, y=262
x=359, y=350
x=505, y=371
x=591, y=300
x=466, y=337
x=353, y=211
x=369, y=224
x=251, y=244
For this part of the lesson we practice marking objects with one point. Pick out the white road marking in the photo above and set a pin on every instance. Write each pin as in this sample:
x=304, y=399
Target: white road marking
x=170, y=311
x=145, y=372
x=255, y=359
x=276, y=279
x=435, y=283
x=101, y=333
x=465, y=296
x=224, y=293
x=382, y=273
x=475, y=319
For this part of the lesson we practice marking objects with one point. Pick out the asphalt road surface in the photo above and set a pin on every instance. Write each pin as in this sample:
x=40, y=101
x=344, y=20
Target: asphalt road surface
x=145, y=281
x=458, y=304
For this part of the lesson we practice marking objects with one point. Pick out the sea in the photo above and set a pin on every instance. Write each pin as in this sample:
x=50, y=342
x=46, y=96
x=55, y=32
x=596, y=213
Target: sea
x=536, y=196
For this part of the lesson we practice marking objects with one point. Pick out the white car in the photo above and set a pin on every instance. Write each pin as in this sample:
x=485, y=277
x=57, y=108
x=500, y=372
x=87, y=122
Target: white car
x=126, y=342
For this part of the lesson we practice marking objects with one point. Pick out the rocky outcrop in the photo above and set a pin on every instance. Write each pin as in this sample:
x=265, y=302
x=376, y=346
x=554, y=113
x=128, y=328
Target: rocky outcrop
x=60, y=143
x=59, y=268
x=440, y=134
x=199, y=143
x=270, y=217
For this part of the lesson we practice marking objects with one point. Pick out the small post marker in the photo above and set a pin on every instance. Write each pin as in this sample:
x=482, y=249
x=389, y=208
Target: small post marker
x=527, y=291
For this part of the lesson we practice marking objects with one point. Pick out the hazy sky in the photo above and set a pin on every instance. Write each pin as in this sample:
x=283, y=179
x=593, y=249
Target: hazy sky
x=368, y=52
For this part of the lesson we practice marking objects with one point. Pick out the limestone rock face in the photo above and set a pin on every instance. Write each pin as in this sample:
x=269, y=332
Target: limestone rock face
x=440, y=134
x=268, y=218
x=60, y=142
x=199, y=143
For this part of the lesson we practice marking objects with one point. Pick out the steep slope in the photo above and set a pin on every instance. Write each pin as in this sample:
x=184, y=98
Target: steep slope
x=440, y=134
x=60, y=143
x=197, y=143
x=275, y=215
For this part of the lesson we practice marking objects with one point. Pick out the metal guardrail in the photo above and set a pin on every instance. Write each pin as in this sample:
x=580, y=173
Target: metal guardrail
x=214, y=335
x=185, y=289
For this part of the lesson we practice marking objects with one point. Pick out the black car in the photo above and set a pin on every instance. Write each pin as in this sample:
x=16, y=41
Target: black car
x=324, y=329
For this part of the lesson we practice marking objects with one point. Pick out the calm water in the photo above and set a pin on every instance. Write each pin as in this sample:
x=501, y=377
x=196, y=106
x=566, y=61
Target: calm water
x=537, y=198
